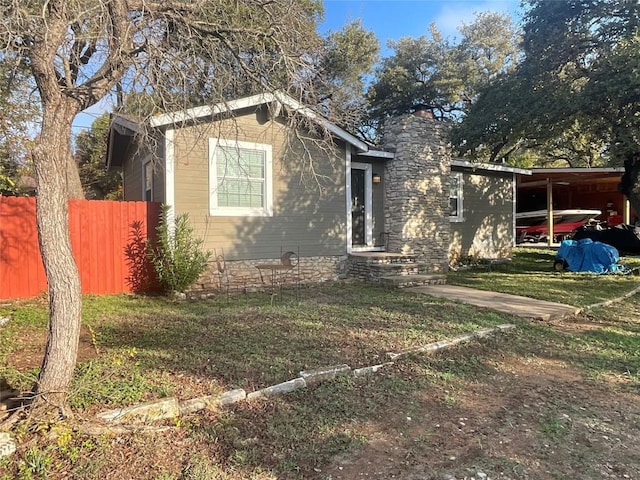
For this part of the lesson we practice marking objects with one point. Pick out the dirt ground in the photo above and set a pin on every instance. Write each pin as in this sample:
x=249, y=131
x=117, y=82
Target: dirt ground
x=530, y=415
x=530, y=418
x=31, y=346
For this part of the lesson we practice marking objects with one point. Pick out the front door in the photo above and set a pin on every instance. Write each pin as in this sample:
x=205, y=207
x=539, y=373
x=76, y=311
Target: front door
x=358, y=210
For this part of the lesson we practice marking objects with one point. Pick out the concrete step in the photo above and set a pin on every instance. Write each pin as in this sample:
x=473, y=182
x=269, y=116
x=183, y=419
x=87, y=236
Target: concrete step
x=381, y=258
x=390, y=269
x=404, y=281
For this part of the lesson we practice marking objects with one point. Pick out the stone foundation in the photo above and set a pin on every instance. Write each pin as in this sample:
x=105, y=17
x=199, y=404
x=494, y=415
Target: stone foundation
x=242, y=275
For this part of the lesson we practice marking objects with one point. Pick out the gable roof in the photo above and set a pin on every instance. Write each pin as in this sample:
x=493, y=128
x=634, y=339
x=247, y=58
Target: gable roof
x=124, y=125
x=281, y=98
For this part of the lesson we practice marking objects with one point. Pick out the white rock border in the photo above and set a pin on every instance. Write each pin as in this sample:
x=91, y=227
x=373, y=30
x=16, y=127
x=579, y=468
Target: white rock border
x=137, y=416
x=7, y=445
x=612, y=301
x=443, y=344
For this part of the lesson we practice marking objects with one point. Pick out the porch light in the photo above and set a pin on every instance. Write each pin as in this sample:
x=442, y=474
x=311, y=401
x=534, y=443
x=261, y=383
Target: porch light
x=376, y=178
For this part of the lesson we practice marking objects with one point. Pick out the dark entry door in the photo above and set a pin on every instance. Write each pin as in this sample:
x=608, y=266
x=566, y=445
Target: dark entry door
x=357, y=207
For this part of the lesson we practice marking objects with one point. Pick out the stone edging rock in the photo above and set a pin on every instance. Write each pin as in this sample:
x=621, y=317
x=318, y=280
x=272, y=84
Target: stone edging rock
x=7, y=445
x=612, y=301
x=167, y=408
x=443, y=344
x=136, y=419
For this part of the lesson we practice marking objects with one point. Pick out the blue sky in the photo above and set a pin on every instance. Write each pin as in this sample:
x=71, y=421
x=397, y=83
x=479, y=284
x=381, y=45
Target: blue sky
x=393, y=19
x=389, y=19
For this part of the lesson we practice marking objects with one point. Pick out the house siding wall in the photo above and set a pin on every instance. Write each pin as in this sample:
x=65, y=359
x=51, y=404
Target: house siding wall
x=132, y=173
x=304, y=217
x=487, y=229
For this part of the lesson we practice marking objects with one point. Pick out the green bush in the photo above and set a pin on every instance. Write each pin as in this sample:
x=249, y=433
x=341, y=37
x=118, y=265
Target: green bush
x=177, y=257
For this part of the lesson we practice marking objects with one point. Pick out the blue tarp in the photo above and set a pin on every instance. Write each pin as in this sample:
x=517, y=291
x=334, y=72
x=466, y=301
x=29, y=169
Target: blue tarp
x=585, y=255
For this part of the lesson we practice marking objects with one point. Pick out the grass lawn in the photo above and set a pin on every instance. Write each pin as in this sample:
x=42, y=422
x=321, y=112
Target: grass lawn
x=531, y=274
x=548, y=400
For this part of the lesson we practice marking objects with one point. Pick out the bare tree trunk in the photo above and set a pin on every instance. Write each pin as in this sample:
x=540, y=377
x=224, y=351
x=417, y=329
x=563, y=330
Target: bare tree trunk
x=74, y=184
x=51, y=161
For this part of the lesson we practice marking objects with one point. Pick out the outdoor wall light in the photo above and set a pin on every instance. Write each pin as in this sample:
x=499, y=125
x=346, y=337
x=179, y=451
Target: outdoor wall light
x=376, y=178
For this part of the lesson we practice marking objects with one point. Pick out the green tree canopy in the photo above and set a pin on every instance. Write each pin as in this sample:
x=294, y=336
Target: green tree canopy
x=435, y=71
x=346, y=59
x=576, y=90
x=18, y=115
x=98, y=183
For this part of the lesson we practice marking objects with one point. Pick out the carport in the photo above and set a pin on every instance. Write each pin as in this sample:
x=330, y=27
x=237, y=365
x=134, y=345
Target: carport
x=574, y=188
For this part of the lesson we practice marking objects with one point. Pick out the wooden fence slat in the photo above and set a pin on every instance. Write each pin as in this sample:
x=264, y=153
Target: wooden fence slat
x=100, y=232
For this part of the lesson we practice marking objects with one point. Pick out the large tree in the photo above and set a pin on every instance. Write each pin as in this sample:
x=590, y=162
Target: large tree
x=18, y=115
x=78, y=51
x=442, y=73
x=577, y=88
x=98, y=182
x=346, y=59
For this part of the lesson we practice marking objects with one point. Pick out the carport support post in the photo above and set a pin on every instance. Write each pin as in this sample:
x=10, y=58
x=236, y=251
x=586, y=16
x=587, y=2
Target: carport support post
x=626, y=214
x=549, y=212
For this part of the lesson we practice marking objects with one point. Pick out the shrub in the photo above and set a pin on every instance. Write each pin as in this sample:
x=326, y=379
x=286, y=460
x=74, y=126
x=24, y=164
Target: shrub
x=177, y=256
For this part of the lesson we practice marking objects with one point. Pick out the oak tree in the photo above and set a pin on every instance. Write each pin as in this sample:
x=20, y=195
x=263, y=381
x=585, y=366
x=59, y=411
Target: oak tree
x=81, y=51
x=576, y=89
x=442, y=73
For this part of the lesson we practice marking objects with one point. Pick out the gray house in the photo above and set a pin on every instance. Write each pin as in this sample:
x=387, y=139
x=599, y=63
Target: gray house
x=254, y=185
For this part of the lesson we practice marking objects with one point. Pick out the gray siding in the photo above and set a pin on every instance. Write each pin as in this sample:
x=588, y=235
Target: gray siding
x=487, y=229
x=309, y=206
x=132, y=173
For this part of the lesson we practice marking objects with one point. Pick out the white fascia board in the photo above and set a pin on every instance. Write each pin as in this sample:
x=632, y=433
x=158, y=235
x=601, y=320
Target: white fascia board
x=252, y=101
x=210, y=110
x=378, y=154
x=488, y=166
x=332, y=127
x=579, y=170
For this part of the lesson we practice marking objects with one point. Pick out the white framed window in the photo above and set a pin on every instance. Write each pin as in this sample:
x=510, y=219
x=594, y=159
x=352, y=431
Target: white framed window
x=147, y=181
x=240, y=178
x=456, y=197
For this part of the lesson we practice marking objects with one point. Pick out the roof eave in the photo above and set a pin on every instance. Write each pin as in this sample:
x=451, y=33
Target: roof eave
x=489, y=167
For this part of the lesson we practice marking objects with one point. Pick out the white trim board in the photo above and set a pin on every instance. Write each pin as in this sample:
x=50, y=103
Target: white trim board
x=456, y=162
x=368, y=200
x=253, y=101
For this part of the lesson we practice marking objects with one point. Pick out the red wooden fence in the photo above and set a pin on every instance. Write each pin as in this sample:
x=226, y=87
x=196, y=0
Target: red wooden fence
x=107, y=238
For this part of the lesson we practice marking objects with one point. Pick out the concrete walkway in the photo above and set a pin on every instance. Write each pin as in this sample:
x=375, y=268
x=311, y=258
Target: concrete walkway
x=502, y=302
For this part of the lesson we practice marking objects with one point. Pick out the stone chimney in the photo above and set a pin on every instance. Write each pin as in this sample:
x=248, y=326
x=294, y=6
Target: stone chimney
x=417, y=189
x=423, y=110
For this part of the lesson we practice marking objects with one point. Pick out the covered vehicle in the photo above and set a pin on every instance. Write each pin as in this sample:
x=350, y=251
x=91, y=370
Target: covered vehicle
x=587, y=256
x=626, y=238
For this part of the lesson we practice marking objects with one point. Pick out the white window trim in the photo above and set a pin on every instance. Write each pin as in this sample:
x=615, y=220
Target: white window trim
x=145, y=162
x=214, y=209
x=460, y=216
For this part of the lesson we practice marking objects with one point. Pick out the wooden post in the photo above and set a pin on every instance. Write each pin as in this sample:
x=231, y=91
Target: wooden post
x=626, y=211
x=549, y=212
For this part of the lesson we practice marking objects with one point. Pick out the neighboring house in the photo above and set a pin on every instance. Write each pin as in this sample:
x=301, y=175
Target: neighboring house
x=255, y=186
